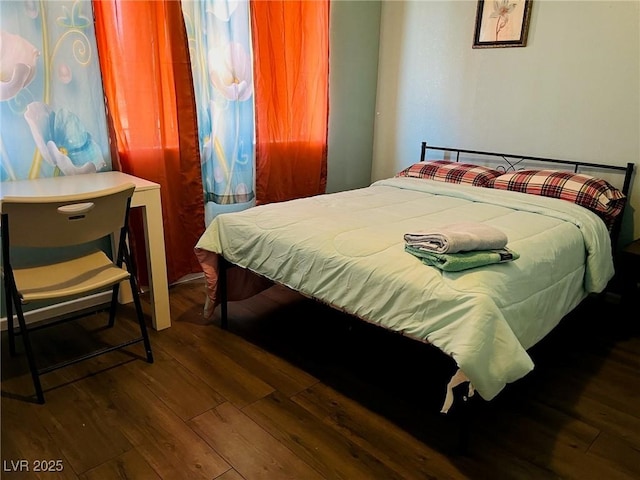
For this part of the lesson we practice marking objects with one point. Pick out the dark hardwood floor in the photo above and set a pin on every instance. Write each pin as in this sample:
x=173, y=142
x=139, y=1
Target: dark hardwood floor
x=295, y=390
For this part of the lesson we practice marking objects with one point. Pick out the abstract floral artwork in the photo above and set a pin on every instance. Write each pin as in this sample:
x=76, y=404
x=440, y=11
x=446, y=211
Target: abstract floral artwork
x=52, y=112
x=502, y=23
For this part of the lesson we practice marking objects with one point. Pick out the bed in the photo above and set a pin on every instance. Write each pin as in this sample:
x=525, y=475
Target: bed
x=347, y=250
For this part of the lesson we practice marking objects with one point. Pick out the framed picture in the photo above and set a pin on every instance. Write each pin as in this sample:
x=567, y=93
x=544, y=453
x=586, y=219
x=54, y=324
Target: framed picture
x=502, y=23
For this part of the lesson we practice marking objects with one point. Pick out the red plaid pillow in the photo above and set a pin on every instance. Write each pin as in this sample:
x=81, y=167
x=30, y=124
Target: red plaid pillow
x=451, y=172
x=590, y=192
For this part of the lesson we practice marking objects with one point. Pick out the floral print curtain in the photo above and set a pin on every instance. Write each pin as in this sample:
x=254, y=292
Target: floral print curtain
x=52, y=112
x=220, y=48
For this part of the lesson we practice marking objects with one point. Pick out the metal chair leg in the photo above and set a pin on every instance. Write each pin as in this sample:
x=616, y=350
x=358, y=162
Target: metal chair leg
x=28, y=350
x=10, y=330
x=114, y=304
x=140, y=315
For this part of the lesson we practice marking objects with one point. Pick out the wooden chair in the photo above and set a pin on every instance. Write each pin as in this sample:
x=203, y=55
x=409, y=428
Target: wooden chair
x=66, y=221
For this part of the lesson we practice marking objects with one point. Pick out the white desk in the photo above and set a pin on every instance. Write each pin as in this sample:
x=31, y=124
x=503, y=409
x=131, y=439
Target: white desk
x=145, y=196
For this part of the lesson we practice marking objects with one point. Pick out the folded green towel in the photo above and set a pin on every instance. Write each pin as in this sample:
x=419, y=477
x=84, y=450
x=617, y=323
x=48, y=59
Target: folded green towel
x=455, y=262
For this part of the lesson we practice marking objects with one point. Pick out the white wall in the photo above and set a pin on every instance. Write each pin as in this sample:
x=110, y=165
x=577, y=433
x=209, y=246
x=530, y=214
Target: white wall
x=573, y=92
x=353, y=72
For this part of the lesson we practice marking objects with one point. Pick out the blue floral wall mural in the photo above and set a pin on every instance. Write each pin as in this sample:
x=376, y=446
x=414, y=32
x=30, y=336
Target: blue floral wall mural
x=52, y=112
x=221, y=62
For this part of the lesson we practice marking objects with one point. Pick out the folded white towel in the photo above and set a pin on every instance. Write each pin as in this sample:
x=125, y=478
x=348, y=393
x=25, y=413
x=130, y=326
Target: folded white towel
x=458, y=237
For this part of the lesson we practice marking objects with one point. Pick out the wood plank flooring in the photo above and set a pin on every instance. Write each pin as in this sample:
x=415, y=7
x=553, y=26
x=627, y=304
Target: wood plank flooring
x=297, y=391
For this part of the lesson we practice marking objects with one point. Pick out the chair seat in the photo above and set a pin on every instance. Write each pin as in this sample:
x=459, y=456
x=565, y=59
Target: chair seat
x=64, y=279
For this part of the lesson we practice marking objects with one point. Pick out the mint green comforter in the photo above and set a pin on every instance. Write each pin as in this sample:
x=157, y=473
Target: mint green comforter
x=347, y=249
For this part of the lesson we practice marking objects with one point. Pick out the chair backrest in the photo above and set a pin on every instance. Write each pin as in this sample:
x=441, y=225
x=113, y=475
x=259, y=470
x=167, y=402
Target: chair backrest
x=59, y=221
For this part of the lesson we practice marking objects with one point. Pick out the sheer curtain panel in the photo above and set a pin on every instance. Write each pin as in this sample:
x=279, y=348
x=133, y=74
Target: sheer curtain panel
x=291, y=63
x=147, y=80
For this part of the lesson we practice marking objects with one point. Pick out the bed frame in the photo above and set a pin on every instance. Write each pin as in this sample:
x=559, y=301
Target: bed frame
x=510, y=162
x=462, y=410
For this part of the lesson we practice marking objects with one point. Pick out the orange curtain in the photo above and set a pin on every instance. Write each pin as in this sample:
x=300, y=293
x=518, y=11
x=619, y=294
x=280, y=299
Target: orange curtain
x=291, y=70
x=147, y=80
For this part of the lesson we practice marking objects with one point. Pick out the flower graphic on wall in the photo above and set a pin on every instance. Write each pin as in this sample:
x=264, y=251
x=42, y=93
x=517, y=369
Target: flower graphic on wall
x=501, y=11
x=62, y=140
x=17, y=64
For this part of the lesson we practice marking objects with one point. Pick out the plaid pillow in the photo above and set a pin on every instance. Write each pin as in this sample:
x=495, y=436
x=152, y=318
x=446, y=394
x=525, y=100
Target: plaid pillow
x=451, y=172
x=590, y=192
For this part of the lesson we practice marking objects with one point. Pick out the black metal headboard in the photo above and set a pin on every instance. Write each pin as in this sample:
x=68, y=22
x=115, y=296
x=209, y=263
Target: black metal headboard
x=513, y=161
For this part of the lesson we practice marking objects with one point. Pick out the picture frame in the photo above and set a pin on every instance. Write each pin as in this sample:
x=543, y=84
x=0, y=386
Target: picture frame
x=502, y=23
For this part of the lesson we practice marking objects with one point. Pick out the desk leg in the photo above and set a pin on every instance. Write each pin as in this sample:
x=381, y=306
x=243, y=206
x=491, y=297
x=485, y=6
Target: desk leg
x=150, y=203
